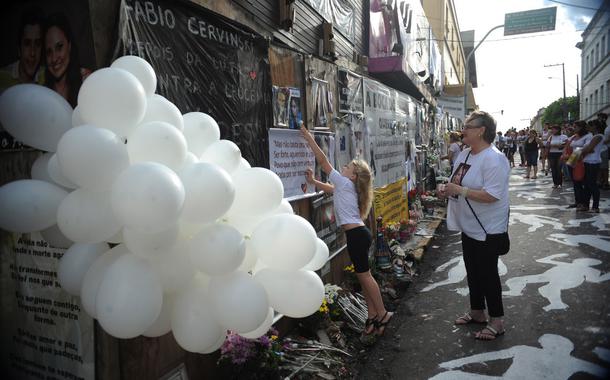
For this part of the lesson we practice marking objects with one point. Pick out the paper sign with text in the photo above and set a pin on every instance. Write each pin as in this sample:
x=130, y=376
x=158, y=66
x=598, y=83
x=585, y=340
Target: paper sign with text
x=289, y=157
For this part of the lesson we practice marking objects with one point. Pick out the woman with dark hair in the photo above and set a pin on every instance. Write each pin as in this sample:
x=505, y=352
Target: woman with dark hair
x=580, y=139
x=592, y=159
x=531, y=146
x=478, y=206
x=556, y=143
x=63, y=72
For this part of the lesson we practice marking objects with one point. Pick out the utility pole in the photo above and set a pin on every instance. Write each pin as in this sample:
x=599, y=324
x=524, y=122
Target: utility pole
x=564, y=106
x=467, y=69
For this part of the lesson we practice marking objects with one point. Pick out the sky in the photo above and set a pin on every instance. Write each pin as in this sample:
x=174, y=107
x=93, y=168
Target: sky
x=511, y=71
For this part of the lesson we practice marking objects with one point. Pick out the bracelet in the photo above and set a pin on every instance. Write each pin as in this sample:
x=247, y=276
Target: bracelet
x=464, y=191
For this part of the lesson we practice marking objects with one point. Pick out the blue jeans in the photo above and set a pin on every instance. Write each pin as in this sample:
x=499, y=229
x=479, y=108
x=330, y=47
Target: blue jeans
x=578, y=188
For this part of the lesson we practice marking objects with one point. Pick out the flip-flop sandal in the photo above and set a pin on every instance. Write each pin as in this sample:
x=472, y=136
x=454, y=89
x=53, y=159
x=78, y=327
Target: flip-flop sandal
x=368, y=323
x=467, y=319
x=488, y=332
x=381, y=326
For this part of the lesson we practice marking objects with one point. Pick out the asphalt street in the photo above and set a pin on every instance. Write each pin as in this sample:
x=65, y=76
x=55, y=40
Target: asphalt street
x=556, y=282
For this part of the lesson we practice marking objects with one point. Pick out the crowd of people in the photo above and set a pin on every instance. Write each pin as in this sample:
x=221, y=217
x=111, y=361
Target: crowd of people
x=575, y=152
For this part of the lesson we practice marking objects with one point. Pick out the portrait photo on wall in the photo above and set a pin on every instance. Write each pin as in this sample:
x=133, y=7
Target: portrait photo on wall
x=49, y=43
x=294, y=108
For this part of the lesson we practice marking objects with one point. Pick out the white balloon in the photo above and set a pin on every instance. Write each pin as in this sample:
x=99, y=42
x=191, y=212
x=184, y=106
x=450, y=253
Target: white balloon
x=157, y=141
x=77, y=119
x=188, y=161
x=209, y=192
x=239, y=303
x=257, y=191
x=92, y=157
x=55, y=237
x=295, y=294
x=161, y=109
x=40, y=168
x=249, y=260
x=86, y=217
x=163, y=324
x=57, y=175
x=117, y=238
x=284, y=208
x=258, y=266
x=244, y=164
x=215, y=346
x=174, y=267
x=94, y=276
x=284, y=241
x=150, y=245
x=217, y=249
x=200, y=131
x=35, y=115
x=29, y=205
x=75, y=263
x=114, y=99
x=244, y=223
x=140, y=69
x=130, y=297
x=262, y=329
x=320, y=257
x=148, y=197
x=223, y=153
x=192, y=320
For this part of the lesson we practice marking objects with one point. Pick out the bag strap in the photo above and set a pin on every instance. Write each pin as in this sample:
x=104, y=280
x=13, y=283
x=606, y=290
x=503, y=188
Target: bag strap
x=475, y=214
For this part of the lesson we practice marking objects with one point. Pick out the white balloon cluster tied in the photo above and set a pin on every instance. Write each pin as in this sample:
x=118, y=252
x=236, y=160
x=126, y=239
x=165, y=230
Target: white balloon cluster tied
x=202, y=242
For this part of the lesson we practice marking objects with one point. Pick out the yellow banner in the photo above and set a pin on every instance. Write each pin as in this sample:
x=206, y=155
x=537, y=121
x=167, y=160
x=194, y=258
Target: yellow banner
x=391, y=202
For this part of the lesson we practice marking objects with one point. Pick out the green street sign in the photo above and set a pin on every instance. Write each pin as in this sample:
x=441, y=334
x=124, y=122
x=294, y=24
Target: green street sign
x=537, y=20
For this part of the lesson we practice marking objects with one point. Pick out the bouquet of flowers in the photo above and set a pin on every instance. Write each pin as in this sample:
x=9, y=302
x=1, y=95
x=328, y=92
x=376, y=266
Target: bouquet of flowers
x=251, y=358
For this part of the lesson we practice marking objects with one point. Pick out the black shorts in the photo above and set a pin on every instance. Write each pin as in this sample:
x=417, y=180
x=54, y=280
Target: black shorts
x=359, y=241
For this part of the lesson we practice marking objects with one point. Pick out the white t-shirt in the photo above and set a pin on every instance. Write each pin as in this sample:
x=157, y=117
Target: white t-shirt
x=455, y=149
x=556, y=140
x=487, y=170
x=345, y=199
x=595, y=156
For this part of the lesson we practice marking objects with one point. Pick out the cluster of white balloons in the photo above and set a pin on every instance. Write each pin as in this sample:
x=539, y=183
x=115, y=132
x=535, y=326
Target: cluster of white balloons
x=204, y=243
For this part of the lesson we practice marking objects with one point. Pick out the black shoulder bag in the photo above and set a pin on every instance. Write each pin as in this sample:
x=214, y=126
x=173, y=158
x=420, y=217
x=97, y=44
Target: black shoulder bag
x=500, y=241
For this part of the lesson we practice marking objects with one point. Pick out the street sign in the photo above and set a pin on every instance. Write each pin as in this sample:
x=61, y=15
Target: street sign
x=536, y=20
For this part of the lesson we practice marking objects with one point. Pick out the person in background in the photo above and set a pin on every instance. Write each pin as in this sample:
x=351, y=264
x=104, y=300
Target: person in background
x=531, y=146
x=544, y=150
x=63, y=72
x=353, y=197
x=556, y=143
x=580, y=139
x=499, y=141
x=454, y=148
x=522, y=136
x=511, y=147
x=605, y=155
x=484, y=184
x=28, y=68
x=592, y=159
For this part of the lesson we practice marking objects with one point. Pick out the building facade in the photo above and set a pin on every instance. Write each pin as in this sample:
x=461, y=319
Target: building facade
x=595, y=66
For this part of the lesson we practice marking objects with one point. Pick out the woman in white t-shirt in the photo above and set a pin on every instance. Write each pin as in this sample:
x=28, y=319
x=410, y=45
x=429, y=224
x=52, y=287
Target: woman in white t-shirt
x=580, y=139
x=480, y=178
x=556, y=142
x=592, y=159
x=352, y=191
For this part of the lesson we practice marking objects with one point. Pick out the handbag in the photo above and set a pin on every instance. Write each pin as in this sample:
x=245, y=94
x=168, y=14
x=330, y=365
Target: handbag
x=578, y=171
x=500, y=241
x=567, y=152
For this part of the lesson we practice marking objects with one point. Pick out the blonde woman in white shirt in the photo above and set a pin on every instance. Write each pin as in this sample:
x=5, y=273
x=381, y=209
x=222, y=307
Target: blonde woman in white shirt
x=352, y=191
x=480, y=178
